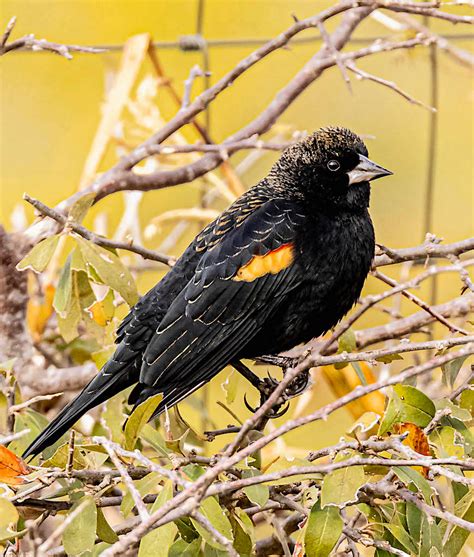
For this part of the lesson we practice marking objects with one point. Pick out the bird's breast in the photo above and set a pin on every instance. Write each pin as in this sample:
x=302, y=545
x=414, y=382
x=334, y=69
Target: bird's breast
x=332, y=260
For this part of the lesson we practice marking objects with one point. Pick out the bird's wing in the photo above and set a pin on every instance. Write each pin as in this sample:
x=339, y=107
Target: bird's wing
x=123, y=369
x=241, y=278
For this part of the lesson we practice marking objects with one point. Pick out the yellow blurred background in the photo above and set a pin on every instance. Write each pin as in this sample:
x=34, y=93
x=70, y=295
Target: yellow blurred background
x=50, y=109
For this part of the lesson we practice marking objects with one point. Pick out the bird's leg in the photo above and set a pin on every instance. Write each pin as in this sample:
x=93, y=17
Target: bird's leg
x=247, y=373
x=267, y=385
x=264, y=386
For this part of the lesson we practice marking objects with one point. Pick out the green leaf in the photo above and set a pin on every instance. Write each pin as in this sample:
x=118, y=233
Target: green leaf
x=391, y=415
x=407, y=404
x=36, y=423
x=210, y=551
x=431, y=542
x=8, y=512
x=158, y=542
x=410, y=476
x=457, y=536
x=144, y=486
x=63, y=290
x=60, y=458
x=244, y=532
x=69, y=319
x=389, y=358
x=113, y=418
x=138, y=418
x=402, y=536
x=40, y=255
x=79, y=534
x=217, y=516
x=451, y=370
x=109, y=269
x=323, y=529
x=417, y=408
x=104, y=530
x=466, y=434
x=258, y=493
x=79, y=209
x=152, y=436
x=340, y=486
x=186, y=529
x=360, y=374
x=455, y=411
x=193, y=471
x=446, y=442
x=413, y=516
x=77, y=261
x=85, y=293
x=180, y=548
x=347, y=343
x=467, y=400
x=364, y=425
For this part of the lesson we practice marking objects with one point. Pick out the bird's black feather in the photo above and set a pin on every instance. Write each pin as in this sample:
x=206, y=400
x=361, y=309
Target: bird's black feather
x=283, y=264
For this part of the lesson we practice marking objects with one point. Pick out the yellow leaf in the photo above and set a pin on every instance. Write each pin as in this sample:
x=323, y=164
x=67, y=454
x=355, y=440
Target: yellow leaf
x=38, y=312
x=102, y=311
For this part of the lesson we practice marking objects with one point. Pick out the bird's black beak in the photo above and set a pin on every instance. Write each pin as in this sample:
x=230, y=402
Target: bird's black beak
x=367, y=170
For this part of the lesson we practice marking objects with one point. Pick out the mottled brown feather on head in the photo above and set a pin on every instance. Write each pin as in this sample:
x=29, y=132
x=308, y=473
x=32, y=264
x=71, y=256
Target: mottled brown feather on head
x=330, y=141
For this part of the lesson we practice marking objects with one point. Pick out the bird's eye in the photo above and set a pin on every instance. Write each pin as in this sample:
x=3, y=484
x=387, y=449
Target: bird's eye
x=334, y=165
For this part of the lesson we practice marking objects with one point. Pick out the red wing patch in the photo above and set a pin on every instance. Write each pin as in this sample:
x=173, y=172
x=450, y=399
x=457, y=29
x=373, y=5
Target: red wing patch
x=271, y=263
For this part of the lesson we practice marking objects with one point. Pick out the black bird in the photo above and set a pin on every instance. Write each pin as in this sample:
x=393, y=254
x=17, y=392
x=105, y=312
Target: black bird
x=282, y=265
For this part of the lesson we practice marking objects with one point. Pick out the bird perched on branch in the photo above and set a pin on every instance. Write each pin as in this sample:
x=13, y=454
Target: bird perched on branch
x=282, y=265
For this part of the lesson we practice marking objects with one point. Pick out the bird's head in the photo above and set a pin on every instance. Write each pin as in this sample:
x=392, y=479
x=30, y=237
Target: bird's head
x=330, y=167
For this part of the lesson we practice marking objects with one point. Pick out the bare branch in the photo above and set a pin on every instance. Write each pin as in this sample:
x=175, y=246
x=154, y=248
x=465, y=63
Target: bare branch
x=361, y=74
x=215, y=534
x=29, y=42
x=137, y=499
x=423, y=252
x=99, y=240
x=188, y=85
x=421, y=303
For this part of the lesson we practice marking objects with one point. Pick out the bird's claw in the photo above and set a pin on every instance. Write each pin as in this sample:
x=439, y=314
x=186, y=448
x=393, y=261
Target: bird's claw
x=298, y=385
x=275, y=412
x=269, y=384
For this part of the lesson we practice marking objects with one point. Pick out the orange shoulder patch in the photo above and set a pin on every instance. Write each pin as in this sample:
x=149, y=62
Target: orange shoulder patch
x=271, y=263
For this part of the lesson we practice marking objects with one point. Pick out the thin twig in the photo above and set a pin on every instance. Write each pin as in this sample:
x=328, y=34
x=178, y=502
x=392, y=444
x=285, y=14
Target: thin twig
x=95, y=238
x=137, y=499
x=188, y=85
x=453, y=328
x=361, y=74
x=13, y=437
x=332, y=49
x=29, y=42
x=215, y=534
x=372, y=300
x=22, y=405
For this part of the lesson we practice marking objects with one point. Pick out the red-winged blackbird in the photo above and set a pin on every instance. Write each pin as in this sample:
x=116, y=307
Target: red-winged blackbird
x=282, y=265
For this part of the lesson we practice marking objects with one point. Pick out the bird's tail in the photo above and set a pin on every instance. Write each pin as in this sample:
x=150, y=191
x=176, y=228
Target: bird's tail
x=98, y=390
